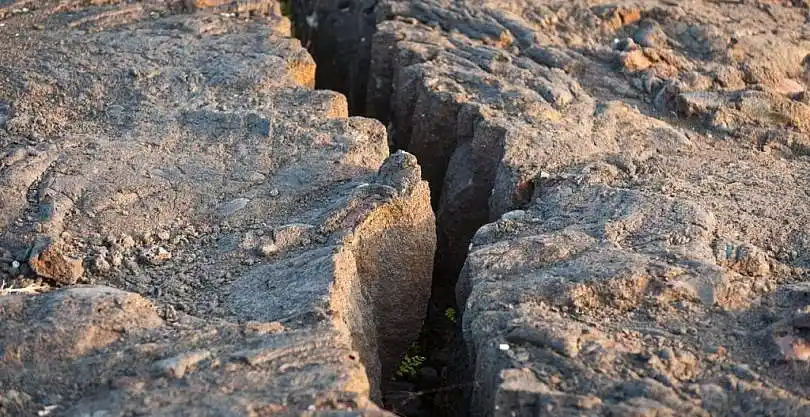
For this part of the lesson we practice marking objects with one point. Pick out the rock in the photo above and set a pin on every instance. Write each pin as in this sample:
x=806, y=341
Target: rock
x=154, y=255
x=100, y=265
x=616, y=17
x=48, y=259
x=401, y=172
x=554, y=57
x=743, y=258
x=116, y=258
x=69, y=323
x=729, y=77
x=177, y=366
x=192, y=129
x=230, y=208
x=699, y=104
x=790, y=88
x=634, y=60
x=564, y=341
x=224, y=6
x=744, y=371
x=291, y=235
x=624, y=45
x=268, y=249
x=633, y=242
x=127, y=242
x=573, y=209
x=294, y=290
x=650, y=35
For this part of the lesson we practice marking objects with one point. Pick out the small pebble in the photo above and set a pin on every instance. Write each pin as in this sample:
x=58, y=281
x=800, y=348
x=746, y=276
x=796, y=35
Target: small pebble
x=100, y=265
x=268, y=249
x=116, y=258
x=257, y=177
x=147, y=238
x=127, y=242
x=155, y=255
x=177, y=366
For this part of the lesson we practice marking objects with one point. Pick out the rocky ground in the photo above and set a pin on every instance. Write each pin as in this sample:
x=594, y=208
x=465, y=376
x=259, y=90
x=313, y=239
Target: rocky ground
x=187, y=227
x=625, y=184
x=620, y=192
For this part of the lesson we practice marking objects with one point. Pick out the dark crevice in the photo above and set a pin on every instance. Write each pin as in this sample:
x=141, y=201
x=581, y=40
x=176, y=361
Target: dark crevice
x=339, y=34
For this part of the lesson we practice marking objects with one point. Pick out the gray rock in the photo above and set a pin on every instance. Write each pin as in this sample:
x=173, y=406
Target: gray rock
x=621, y=230
x=228, y=209
x=177, y=366
x=216, y=133
x=154, y=255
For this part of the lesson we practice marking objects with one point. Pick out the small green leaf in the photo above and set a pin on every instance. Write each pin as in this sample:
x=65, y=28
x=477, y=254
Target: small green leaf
x=450, y=313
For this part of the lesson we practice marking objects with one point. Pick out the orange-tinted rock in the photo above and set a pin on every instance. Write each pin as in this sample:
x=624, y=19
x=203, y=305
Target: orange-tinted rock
x=634, y=60
x=790, y=88
x=49, y=260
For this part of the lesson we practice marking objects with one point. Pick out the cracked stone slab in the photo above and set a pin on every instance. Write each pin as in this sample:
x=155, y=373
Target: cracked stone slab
x=627, y=184
x=241, y=246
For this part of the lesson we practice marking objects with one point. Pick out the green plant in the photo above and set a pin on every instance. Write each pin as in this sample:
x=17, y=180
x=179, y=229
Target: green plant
x=450, y=313
x=410, y=363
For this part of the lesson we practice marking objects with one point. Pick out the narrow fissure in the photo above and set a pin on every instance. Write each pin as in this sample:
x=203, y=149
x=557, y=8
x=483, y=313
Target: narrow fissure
x=338, y=34
x=435, y=377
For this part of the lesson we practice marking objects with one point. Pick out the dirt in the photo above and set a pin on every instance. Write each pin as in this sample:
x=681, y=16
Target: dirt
x=188, y=227
x=563, y=208
x=624, y=184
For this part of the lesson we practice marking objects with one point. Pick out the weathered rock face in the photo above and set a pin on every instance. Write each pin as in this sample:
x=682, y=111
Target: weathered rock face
x=244, y=247
x=620, y=191
x=645, y=166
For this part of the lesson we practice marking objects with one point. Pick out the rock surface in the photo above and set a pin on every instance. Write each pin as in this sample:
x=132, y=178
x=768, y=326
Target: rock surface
x=643, y=170
x=620, y=192
x=242, y=246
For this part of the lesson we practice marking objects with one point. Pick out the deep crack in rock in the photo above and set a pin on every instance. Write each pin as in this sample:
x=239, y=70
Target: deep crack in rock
x=620, y=196
x=591, y=170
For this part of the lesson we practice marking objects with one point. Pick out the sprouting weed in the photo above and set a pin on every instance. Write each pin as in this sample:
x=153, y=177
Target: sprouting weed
x=450, y=313
x=409, y=366
x=410, y=363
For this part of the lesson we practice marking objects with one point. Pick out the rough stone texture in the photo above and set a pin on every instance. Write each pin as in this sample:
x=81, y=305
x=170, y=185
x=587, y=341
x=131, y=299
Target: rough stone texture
x=621, y=195
x=247, y=249
x=48, y=260
x=645, y=166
